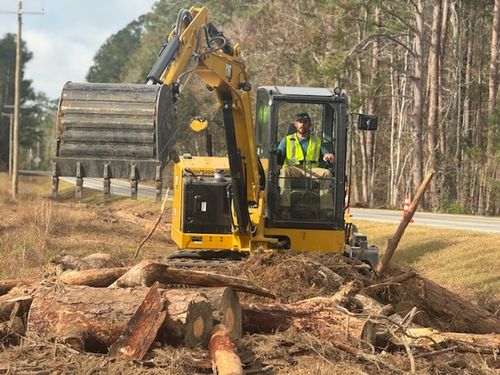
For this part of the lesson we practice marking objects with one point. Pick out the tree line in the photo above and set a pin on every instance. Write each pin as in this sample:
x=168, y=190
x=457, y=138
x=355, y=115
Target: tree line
x=427, y=69
x=36, y=115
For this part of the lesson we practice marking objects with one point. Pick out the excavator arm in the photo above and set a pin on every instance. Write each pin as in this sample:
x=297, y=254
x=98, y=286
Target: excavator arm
x=194, y=46
x=197, y=47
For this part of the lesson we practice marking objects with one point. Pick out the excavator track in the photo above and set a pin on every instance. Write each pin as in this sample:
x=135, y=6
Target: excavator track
x=205, y=259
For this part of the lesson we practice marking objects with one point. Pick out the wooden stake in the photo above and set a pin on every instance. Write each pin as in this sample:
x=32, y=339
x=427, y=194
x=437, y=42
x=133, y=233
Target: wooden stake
x=394, y=241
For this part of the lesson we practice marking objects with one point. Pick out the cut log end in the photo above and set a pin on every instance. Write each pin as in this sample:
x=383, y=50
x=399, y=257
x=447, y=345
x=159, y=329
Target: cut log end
x=199, y=323
x=231, y=313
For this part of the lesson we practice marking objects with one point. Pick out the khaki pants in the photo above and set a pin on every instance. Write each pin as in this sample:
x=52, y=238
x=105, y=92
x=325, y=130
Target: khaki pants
x=325, y=184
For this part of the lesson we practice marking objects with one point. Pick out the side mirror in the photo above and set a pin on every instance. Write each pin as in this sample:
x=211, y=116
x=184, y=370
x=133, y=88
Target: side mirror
x=367, y=122
x=198, y=124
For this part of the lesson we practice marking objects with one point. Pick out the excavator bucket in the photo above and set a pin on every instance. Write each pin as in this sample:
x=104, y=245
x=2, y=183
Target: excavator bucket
x=124, y=131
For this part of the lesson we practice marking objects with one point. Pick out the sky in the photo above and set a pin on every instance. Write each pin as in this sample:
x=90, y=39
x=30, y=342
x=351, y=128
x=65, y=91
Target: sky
x=66, y=37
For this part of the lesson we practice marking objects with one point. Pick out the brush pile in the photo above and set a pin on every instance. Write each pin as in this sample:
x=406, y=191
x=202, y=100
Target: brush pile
x=271, y=314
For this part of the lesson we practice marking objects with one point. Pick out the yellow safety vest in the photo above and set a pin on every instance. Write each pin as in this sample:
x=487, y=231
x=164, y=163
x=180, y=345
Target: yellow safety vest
x=295, y=155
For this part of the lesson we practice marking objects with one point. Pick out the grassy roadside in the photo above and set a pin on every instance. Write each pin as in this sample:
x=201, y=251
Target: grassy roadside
x=34, y=229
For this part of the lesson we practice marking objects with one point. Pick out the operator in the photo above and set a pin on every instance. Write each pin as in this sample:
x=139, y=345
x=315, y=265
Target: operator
x=292, y=149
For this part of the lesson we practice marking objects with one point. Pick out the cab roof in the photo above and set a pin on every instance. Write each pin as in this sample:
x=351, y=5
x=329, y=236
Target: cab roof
x=298, y=91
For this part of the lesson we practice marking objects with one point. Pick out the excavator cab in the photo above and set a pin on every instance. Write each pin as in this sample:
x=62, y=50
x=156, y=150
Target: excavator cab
x=306, y=193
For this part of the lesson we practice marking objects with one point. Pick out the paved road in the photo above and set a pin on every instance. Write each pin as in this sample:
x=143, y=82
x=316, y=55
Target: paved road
x=466, y=222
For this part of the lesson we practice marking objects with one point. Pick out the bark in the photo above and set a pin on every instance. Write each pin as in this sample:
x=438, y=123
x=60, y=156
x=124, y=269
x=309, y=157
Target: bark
x=427, y=338
x=92, y=261
x=8, y=301
x=96, y=278
x=95, y=318
x=463, y=181
x=491, y=166
x=142, y=328
x=432, y=120
x=394, y=241
x=225, y=308
x=371, y=105
x=7, y=285
x=439, y=307
x=320, y=316
x=12, y=329
x=418, y=98
x=147, y=272
x=223, y=352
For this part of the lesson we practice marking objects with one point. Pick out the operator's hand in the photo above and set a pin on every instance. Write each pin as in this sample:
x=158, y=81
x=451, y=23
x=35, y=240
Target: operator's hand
x=329, y=157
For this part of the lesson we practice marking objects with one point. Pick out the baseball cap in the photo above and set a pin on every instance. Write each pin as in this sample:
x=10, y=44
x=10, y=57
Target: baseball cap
x=302, y=117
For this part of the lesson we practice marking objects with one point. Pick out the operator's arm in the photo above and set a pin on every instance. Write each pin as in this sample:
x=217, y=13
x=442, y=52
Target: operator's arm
x=327, y=154
x=282, y=152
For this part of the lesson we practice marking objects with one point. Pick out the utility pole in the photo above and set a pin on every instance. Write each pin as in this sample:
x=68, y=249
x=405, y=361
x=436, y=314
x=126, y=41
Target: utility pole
x=17, y=96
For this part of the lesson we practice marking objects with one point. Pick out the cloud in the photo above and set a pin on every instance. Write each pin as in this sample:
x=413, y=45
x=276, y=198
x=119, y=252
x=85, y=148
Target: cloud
x=57, y=59
x=65, y=39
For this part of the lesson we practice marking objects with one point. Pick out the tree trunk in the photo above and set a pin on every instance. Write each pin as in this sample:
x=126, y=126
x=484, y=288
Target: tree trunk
x=97, y=278
x=92, y=261
x=147, y=272
x=97, y=317
x=491, y=166
x=226, y=309
x=440, y=308
x=320, y=316
x=223, y=352
x=142, y=328
x=7, y=285
x=418, y=98
x=426, y=338
x=433, y=89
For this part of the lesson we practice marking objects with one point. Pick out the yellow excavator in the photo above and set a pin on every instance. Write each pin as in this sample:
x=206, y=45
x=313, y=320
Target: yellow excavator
x=222, y=206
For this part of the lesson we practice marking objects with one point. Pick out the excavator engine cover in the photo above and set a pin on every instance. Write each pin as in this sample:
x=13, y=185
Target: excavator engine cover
x=114, y=130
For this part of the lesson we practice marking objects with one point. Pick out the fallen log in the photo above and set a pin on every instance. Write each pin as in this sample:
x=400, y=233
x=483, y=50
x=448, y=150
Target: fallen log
x=93, y=319
x=7, y=285
x=225, y=308
x=15, y=327
x=439, y=307
x=96, y=278
x=223, y=352
x=147, y=272
x=142, y=328
x=320, y=316
x=428, y=338
x=92, y=261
